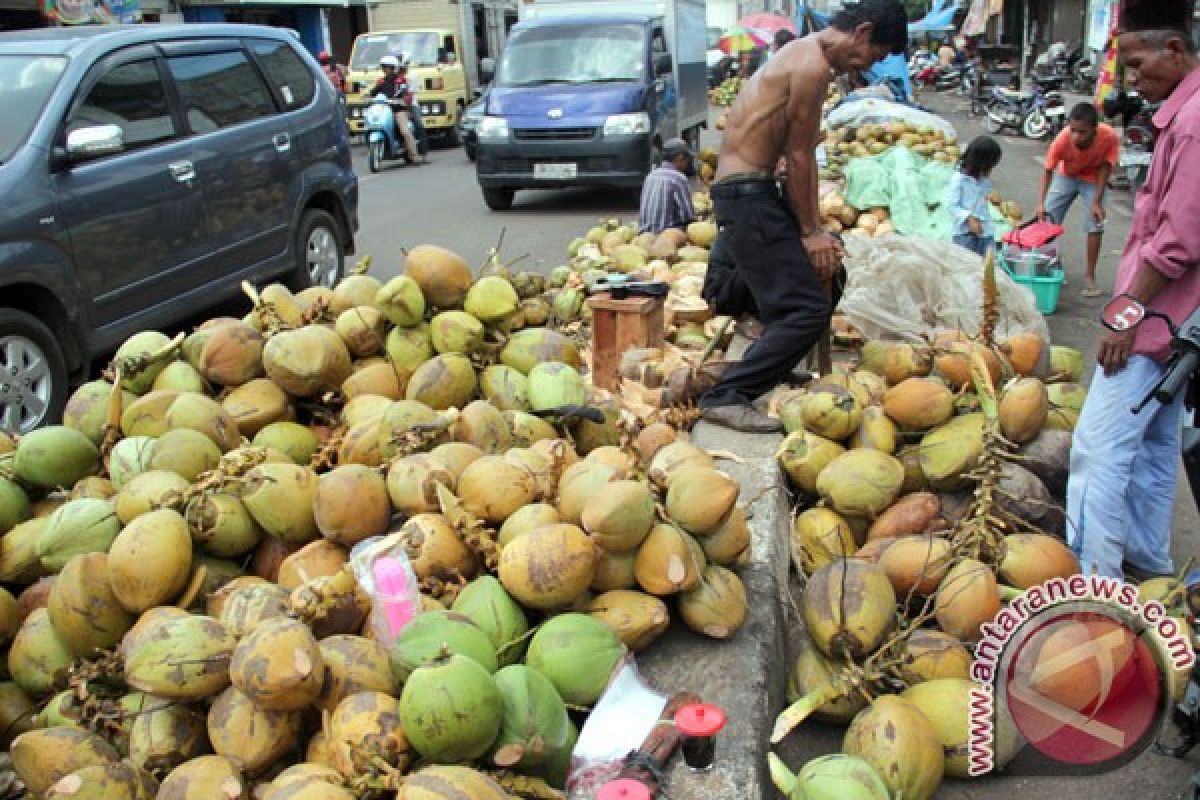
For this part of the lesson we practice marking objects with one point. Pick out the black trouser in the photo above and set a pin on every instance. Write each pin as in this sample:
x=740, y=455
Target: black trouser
x=761, y=239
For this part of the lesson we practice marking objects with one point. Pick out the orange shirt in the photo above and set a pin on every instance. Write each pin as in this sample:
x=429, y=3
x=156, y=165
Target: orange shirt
x=1083, y=164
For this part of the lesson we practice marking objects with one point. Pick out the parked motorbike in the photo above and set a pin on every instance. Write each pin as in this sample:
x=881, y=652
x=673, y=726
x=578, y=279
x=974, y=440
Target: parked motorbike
x=383, y=141
x=1136, y=118
x=1035, y=114
x=950, y=77
x=923, y=69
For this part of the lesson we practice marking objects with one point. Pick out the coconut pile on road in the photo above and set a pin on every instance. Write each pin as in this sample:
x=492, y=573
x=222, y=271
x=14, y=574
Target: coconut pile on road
x=930, y=480
x=180, y=618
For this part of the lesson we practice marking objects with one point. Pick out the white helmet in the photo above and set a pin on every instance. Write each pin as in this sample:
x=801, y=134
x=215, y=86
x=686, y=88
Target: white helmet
x=389, y=61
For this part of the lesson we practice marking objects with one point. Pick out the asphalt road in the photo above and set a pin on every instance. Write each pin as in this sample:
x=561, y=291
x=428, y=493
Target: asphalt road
x=403, y=206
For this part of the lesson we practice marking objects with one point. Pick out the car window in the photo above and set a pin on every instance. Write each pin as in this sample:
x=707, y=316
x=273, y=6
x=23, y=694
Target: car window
x=132, y=96
x=219, y=90
x=25, y=86
x=289, y=75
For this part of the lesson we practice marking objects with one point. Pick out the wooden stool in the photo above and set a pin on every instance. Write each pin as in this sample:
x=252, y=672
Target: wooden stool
x=619, y=326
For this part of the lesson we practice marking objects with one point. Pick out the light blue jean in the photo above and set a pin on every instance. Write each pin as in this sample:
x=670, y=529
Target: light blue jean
x=1121, y=490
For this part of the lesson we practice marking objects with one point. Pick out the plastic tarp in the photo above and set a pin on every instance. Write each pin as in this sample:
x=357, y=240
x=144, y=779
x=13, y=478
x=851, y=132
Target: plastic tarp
x=934, y=21
x=908, y=288
x=877, y=111
x=911, y=188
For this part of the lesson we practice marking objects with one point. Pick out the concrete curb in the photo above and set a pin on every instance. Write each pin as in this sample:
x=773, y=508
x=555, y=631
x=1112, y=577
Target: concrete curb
x=744, y=675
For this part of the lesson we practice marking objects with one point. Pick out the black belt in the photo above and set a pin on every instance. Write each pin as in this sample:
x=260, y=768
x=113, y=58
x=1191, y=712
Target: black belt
x=745, y=188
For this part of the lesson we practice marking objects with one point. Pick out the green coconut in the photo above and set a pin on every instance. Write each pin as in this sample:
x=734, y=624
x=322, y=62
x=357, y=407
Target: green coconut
x=19, y=561
x=138, y=346
x=424, y=640
x=181, y=377
x=833, y=777
x=578, y=654
x=41, y=758
x=527, y=429
x=84, y=608
x=1066, y=402
x=485, y=602
x=185, y=452
x=222, y=525
x=534, y=725
x=149, y=490
x=87, y=409
x=451, y=710
x=280, y=498
x=39, y=657
x=532, y=346
x=535, y=311
x=444, y=381
x=131, y=456
x=1066, y=364
x=294, y=440
x=203, y=414
x=554, y=384
x=400, y=417
x=14, y=505
x=951, y=451
x=566, y=304
x=861, y=482
x=491, y=299
x=400, y=300
x=456, y=332
x=181, y=657
x=86, y=525
x=147, y=416
x=55, y=456
x=560, y=275
x=505, y=388
x=803, y=455
x=483, y=425
x=409, y=348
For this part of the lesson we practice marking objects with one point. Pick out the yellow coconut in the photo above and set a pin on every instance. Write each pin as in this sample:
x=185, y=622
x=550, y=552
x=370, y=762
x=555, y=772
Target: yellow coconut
x=1023, y=409
x=967, y=598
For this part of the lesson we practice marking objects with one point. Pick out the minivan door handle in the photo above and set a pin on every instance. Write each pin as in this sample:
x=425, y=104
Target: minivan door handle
x=282, y=142
x=182, y=171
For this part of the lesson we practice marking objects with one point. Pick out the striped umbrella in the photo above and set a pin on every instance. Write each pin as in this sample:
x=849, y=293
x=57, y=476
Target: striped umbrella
x=737, y=39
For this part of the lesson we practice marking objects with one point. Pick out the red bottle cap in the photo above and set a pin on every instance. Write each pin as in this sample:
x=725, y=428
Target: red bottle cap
x=699, y=719
x=623, y=789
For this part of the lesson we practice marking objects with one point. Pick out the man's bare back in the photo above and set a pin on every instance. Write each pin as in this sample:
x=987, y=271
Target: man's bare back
x=778, y=112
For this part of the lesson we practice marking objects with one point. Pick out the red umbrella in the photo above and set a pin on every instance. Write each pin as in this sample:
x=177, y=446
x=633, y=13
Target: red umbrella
x=771, y=23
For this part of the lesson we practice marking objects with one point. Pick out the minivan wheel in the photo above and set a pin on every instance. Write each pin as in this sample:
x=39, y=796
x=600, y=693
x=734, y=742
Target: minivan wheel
x=498, y=199
x=319, y=248
x=33, y=373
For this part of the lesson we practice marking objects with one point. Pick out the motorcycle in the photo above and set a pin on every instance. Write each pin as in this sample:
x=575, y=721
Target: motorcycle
x=1137, y=141
x=1035, y=114
x=923, y=69
x=1124, y=313
x=383, y=142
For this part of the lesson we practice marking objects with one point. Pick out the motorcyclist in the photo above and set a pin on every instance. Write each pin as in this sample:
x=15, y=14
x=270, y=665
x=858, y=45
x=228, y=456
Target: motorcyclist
x=414, y=110
x=393, y=86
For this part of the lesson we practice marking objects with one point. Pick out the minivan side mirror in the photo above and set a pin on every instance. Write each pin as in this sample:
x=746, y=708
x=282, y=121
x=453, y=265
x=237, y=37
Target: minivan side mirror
x=662, y=65
x=487, y=69
x=94, y=141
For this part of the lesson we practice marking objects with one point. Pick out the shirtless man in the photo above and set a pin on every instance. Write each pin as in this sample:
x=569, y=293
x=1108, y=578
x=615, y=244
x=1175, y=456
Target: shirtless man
x=772, y=251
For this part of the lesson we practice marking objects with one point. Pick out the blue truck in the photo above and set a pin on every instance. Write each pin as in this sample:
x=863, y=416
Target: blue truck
x=586, y=93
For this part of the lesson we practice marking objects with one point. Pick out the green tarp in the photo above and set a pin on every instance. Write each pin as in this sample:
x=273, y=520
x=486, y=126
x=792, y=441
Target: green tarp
x=911, y=187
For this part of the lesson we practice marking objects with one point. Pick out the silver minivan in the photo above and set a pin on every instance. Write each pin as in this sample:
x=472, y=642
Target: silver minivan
x=146, y=172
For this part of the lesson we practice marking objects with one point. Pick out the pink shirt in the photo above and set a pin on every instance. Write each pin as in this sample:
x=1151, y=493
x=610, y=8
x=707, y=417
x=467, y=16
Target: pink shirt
x=1166, y=223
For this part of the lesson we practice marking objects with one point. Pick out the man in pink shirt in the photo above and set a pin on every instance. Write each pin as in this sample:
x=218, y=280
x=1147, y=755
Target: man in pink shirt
x=1123, y=466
